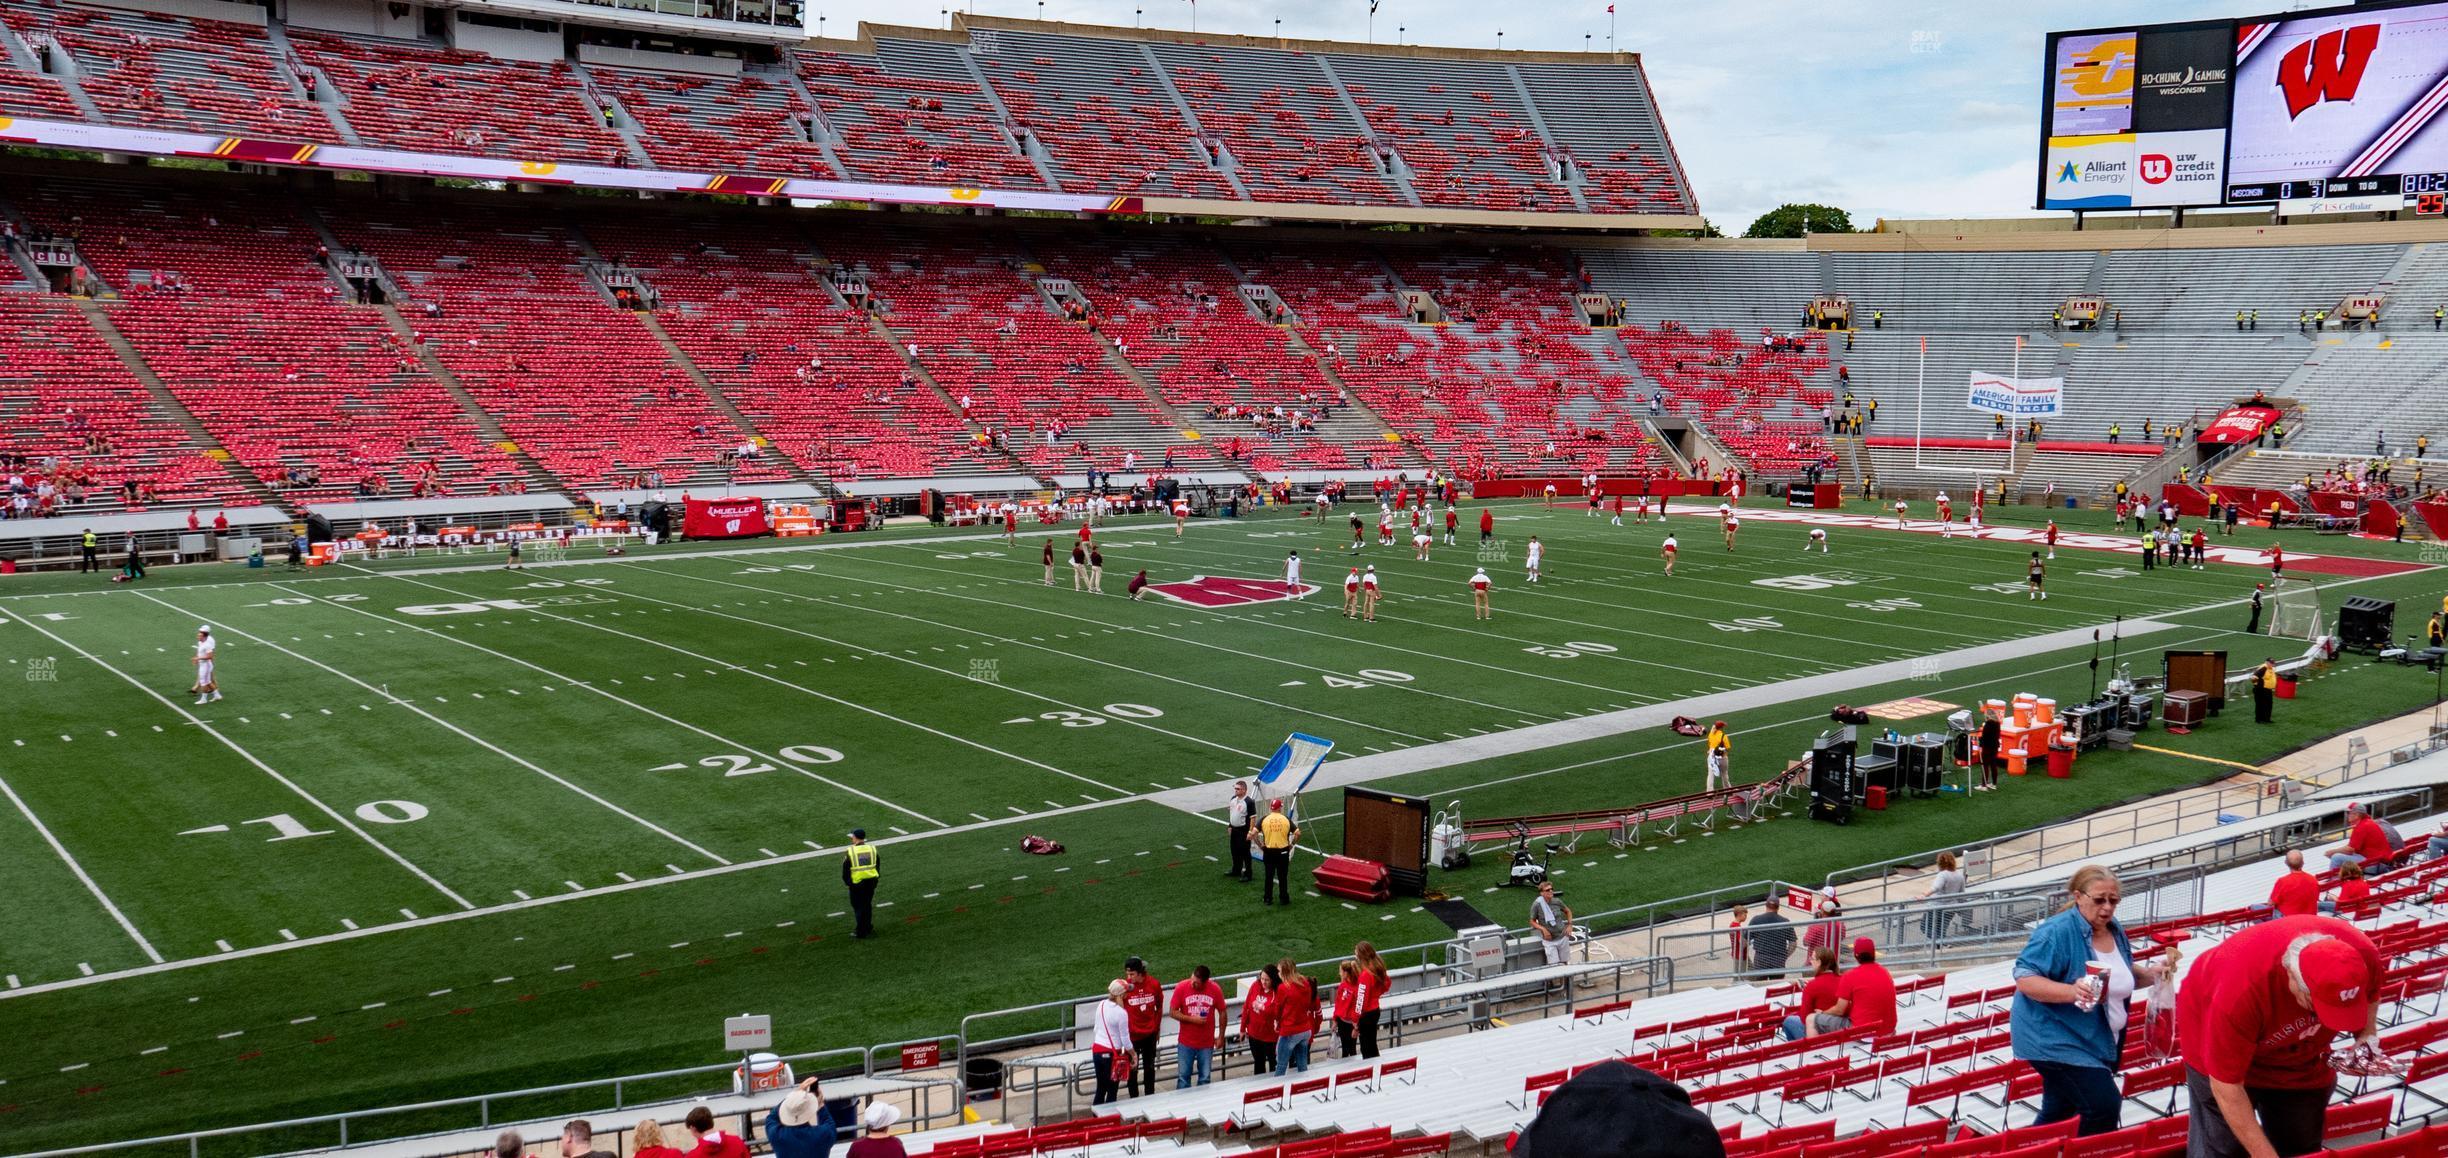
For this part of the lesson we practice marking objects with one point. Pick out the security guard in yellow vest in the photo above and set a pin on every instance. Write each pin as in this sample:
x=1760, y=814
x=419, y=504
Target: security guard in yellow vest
x=1276, y=836
x=2264, y=689
x=90, y=561
x=859, y=872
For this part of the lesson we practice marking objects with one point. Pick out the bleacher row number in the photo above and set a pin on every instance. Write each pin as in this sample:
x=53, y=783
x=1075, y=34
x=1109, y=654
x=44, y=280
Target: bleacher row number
x=1071, y=719
x=287, y=827
x=1571, y=650
x=735, y=764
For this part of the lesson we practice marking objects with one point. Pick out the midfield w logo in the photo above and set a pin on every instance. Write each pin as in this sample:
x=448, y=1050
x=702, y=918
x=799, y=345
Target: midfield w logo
x=2328, y=67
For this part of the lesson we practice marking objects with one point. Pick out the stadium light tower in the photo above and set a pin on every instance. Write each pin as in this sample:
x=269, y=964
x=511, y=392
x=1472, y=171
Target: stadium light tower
x=1500, y=40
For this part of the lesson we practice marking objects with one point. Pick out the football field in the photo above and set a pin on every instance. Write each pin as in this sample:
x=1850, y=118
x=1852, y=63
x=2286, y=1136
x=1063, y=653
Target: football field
x=456, y=828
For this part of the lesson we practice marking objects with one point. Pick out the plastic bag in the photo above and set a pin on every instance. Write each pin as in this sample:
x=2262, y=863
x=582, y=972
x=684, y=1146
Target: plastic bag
x=2159, y=1022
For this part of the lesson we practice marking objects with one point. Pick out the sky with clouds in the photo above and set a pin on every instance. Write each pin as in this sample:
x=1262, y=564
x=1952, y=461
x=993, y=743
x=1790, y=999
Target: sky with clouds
x=1904, y=108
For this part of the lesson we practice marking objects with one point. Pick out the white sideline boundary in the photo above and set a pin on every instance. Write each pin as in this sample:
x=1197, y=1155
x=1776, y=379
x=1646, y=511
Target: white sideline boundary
x=82, y=877
x=206, y=727
x=1428, y=758
x=463, y=734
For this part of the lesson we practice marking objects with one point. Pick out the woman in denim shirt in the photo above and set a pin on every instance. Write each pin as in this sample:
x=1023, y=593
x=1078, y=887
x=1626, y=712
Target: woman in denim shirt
x=2074, y=1052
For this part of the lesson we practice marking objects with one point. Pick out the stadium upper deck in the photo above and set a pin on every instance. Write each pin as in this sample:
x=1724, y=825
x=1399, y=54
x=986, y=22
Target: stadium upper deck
x=1190, y=123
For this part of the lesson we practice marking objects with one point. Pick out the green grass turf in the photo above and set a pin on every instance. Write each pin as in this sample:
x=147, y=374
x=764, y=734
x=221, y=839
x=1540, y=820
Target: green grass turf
x=883, y=685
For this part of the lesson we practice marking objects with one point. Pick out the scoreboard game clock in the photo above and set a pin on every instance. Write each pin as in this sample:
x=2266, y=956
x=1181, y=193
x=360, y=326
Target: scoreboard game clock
x=2336, y=109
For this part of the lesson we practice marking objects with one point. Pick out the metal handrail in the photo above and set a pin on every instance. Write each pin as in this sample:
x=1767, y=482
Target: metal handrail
x=2104, y=832
x=483, y=1103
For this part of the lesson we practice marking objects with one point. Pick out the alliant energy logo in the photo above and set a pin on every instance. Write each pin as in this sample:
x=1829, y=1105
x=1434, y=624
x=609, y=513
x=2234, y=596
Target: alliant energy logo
x=2328, y=67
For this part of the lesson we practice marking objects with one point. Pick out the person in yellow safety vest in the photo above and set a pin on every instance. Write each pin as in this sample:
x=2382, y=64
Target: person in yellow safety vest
x=1276, y=836
x=1719, y=748
x=859, y=872
x=2265, y=689
x=89, y=561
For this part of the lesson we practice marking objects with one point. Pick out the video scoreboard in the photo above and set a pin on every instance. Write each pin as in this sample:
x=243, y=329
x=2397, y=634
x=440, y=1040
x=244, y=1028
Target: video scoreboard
x=2327, y=110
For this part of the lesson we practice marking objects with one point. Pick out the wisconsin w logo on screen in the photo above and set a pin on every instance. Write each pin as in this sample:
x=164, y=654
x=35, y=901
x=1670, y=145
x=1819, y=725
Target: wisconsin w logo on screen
x=2328, y=67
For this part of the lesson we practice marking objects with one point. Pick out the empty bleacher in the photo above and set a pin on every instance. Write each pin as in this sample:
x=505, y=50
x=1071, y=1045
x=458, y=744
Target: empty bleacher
x=1098, y=107
x=581, y=386
x=408, y=95
x=166, y=71
x=913, y=113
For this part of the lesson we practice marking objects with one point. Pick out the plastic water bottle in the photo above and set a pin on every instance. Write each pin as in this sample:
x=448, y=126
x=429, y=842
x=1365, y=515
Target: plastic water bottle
x=2089, y=989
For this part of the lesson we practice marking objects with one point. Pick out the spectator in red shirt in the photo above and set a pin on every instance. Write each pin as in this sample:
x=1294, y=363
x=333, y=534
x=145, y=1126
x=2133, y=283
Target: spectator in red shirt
x=1198, y=1005
x=1375, y=980
x=2297, y=894
x=1866, y=997
x=1296, y=1018
x=1258, y=1021
x=710, y=1142
x=1144, y=999
x=1346, y=1009
x=2255, y=1017
x=2364, y=840
x=1817, y=996
x=2353, y=894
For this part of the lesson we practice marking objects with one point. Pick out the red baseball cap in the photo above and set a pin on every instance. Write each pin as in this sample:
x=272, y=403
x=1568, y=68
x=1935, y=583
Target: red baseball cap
x=2340, y=983
x=1277, y=805
x=1864, y=947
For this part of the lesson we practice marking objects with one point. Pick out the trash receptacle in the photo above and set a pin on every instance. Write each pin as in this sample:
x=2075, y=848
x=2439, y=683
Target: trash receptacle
x=2286, y=686
x=2071, y=502
x=982, y=1077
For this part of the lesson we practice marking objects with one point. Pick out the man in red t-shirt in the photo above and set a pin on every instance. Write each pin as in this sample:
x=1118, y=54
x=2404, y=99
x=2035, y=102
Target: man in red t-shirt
x=2255, y=1017
x=1866, y=996
x=1143, y=998
x=1198, y=1004
x=1487, y=525
x=2364, y=842
x=2297, y=894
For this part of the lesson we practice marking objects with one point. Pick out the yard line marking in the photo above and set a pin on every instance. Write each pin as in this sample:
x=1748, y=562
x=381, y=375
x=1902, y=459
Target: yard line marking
x=251, y=758
x=575, y=887
x=82, y=877
x=223, y=946
x=372, y=1006
x=301, y=1020
x=85, y=968
x=286, y=935
x=1149, y=632
x=154, y=1050
x=472, y=738
x=1016, y=690
x=345, y=923
x=12, y=981
x=231, y=1034
x=520, y=894
x=589, y=686
x=877, y=711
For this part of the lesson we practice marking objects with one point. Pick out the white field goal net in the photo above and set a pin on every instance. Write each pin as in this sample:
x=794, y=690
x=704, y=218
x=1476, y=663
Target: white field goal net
x=2295, y=610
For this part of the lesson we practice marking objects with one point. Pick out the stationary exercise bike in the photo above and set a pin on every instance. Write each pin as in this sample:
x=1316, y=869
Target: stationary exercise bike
x=1524, y=870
